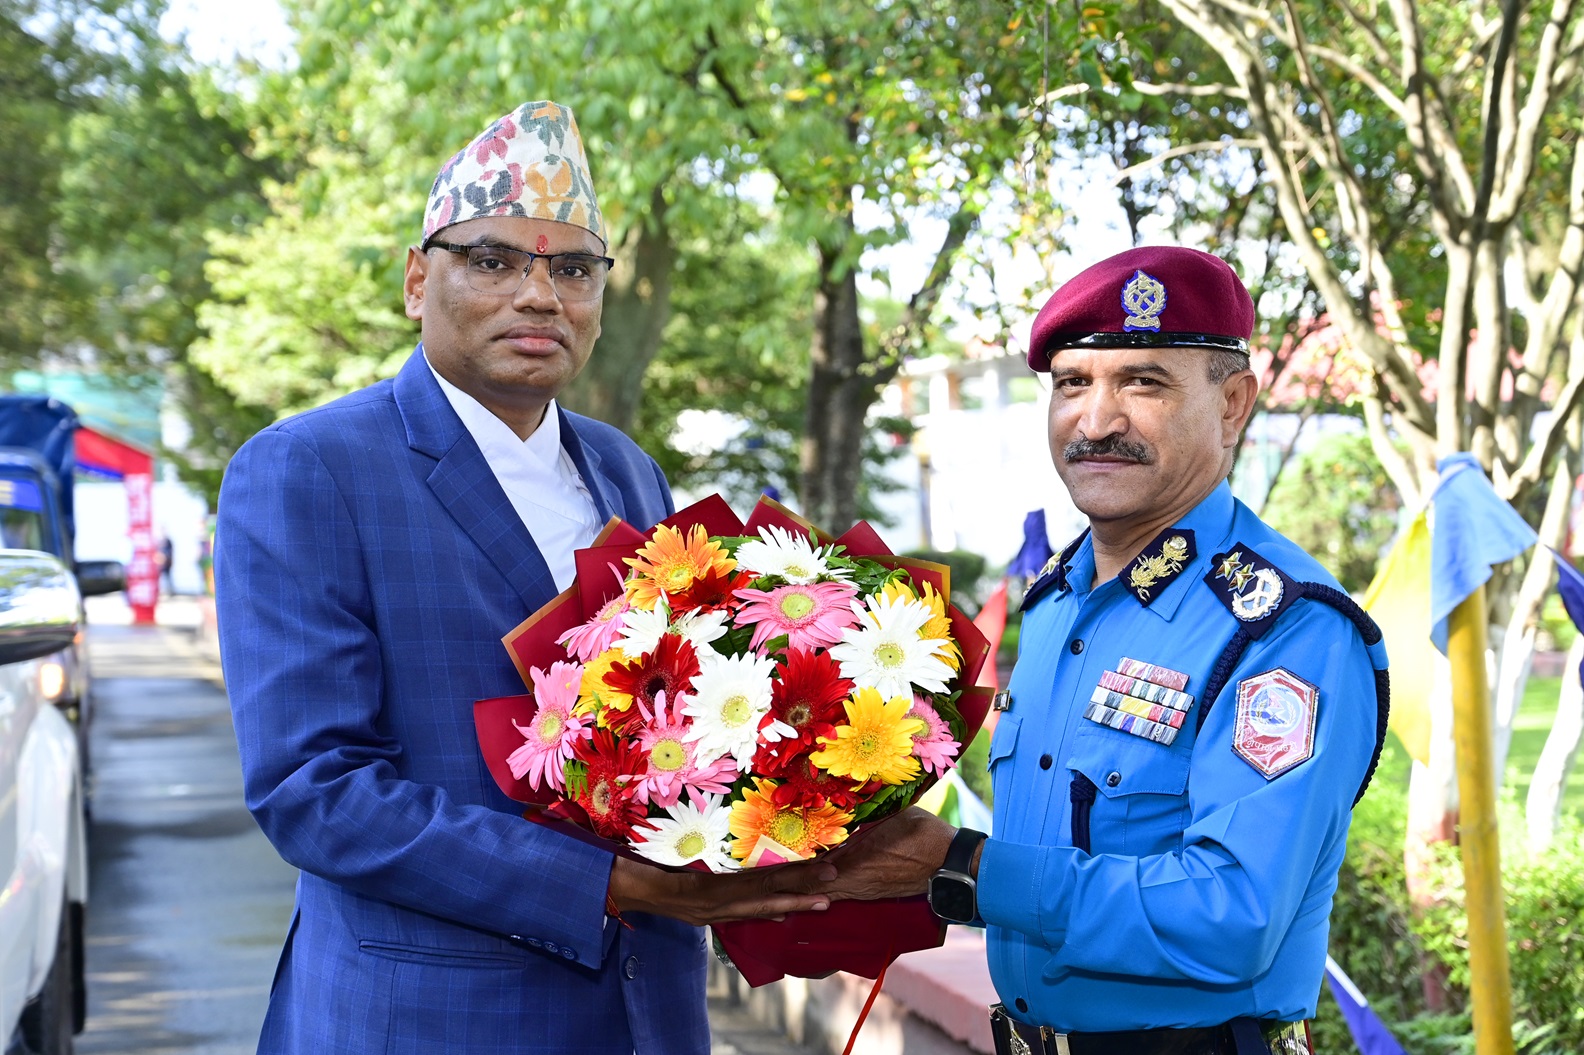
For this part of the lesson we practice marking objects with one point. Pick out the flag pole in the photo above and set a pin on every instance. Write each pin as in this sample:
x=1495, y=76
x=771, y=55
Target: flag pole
x=1490, y=983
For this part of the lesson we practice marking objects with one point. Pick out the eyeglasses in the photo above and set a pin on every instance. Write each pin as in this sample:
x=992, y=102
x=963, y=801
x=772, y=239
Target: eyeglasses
x=499, y=270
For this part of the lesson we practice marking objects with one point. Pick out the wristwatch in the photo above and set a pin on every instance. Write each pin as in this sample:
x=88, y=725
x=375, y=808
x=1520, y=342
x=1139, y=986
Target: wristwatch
x=953, y=894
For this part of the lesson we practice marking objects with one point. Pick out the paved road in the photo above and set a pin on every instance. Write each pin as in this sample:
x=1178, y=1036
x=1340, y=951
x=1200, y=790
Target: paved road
x=188, y=902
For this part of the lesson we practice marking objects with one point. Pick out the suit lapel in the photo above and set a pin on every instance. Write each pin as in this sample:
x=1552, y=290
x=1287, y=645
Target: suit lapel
x=607, y=497
x=461, y=479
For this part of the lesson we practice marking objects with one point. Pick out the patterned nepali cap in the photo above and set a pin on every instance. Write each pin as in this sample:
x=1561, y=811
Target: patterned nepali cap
x=1157, y=296
x=528, y=163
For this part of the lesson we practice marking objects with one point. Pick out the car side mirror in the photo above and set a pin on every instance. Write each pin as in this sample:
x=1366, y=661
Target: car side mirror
x=95, y=577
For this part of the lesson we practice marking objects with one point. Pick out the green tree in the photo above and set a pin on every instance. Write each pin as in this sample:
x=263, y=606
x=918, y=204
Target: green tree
x=1339, y=505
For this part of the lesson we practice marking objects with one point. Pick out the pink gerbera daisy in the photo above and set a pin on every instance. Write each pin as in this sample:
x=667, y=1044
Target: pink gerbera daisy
x=934, y=747
x=670, y=761
x=549, y=738
x=587, y=640
x=811, y=615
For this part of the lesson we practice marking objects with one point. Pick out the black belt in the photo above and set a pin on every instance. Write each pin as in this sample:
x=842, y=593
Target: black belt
x=1243, y=1037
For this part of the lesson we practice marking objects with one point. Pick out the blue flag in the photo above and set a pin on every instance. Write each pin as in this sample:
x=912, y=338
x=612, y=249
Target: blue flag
x=1369, y=1032
x=1036, y=547
x=1570, y=584
x=1474, y=529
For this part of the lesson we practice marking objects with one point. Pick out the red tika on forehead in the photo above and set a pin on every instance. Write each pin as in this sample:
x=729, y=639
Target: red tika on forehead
x=1156, y=296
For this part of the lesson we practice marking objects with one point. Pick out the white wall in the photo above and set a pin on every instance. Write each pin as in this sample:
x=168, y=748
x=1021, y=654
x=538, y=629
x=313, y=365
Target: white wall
x=179, y=515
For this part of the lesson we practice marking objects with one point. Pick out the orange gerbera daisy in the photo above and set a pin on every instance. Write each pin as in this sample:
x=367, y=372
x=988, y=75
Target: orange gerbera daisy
x=670, y=563
x=800, y=829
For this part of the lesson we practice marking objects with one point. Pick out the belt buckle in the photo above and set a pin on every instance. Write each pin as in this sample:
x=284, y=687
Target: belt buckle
x=1054, y=1041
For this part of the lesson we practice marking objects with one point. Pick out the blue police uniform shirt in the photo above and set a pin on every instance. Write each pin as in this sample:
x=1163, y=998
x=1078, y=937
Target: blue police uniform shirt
x=1207, y=889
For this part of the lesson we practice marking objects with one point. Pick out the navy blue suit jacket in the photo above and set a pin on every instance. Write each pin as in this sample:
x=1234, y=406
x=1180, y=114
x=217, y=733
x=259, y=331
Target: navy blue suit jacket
x=367, y=563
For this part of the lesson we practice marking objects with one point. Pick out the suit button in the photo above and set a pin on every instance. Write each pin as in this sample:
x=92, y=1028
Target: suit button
x=515, y=937
x=1113, y=779
x=567, y=953
x=1022, y=1005
x=1045, y=761
x=1076, y=646
x=630, y=968
x=536, y=943
x=551, y=946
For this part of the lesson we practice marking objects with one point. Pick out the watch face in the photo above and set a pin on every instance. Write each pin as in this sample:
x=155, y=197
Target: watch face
x=952, y=898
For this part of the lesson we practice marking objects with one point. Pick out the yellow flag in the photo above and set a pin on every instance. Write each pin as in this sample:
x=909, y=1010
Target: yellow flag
x=1399, y=601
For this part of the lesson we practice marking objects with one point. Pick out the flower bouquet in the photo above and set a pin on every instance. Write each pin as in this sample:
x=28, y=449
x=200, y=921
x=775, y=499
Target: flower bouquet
x=720, y=695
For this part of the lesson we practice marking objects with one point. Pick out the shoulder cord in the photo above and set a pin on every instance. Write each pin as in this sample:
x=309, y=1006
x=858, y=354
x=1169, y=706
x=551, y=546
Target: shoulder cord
x=1082, y=791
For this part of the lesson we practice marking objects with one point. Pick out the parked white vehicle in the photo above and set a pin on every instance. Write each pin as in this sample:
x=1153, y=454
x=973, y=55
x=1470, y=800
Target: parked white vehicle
x=43, y=842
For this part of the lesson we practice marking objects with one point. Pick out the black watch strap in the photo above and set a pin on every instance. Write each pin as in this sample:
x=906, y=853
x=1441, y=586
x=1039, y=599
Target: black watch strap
x=959, y=856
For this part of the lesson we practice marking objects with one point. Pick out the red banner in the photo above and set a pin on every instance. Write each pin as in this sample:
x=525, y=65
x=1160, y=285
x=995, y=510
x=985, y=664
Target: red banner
x=142, y=575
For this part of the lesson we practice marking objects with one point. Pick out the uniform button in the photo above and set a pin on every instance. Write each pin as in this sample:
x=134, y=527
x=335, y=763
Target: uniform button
x=1076, y=646
x=1113, y=779
x=568, y=954
x=515, y=937
x=551, y=946
x=536, y=943
x=630, y=968
x=1022, y=1005
x=1045, y=761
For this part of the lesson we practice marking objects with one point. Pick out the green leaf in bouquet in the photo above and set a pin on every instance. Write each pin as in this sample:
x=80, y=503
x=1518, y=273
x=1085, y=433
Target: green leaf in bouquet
x=945, y=704
x=576, y=774
x=886, y=801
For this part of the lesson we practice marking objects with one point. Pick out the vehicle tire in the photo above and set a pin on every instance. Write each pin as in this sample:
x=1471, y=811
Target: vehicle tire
x=47, y=1020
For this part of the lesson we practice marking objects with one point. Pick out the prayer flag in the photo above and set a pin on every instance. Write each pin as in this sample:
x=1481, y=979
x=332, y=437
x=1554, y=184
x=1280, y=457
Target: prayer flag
x=1399, y=602
x=1369, y=1032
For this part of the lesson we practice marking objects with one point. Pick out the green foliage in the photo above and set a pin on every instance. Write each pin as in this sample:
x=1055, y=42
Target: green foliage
x=974, y=767
x=1339, y=505
x=967, y=573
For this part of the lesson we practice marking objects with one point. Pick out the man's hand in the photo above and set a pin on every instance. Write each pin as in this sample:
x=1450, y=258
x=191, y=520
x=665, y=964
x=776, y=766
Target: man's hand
x=701, y=898
x=895, y=859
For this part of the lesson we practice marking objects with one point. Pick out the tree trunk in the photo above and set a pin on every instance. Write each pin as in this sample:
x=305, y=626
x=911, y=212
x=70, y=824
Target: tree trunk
x=637, y=305
x=1544, y=806
x=840, y=393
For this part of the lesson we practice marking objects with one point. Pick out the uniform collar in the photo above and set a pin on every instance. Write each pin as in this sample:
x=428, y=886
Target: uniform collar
x=1165, y=570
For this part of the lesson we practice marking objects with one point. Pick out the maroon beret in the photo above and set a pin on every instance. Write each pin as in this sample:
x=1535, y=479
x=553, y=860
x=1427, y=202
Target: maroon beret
x=1156, y=296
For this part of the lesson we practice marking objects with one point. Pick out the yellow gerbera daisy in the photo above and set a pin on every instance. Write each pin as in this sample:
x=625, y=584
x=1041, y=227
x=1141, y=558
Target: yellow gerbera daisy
x=799, y=828
x=939, y=625
x=594, y=696
x=670, y=564
x=875, y=744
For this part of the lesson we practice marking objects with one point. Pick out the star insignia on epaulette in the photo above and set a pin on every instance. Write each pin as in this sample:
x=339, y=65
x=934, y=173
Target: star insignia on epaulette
x=1159, y=564
x=1252, y=588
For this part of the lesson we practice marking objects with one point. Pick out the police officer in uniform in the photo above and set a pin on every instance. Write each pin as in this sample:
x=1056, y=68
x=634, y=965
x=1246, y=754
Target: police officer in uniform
x=1196, y=707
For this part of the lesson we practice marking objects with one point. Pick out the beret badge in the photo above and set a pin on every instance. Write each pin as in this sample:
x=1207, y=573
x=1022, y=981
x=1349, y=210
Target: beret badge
x=1143, y=298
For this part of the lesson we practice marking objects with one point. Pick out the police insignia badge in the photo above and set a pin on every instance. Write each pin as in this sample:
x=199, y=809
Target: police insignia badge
x=1253, y=589
x=1275, y=722
x=1159, y=563
x=1142, y=699
x=1143, y=298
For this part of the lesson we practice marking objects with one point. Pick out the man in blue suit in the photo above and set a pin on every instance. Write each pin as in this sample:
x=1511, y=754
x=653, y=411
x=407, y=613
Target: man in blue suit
x=369, y=556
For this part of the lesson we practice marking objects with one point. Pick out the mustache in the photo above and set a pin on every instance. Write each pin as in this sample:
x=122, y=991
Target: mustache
x=1110, y=446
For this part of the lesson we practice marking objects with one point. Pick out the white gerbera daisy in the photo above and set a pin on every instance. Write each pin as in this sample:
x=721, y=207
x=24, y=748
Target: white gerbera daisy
x=643, y=630
x=885, y=651
x=730, y=695
x=698, y=830
x=787, y=556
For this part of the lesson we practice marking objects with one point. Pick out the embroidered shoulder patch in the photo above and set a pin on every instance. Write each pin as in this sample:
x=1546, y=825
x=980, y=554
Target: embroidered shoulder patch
x=1275, y=723
x=1159, y=564
x=1253, y=589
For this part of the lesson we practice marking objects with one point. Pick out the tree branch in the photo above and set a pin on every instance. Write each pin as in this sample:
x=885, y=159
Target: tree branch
x=1515, y=488
x=1188, y=148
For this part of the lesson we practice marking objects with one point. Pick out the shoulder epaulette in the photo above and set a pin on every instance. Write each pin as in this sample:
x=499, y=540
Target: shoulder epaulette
x=1253, y=589
x=1054, y=573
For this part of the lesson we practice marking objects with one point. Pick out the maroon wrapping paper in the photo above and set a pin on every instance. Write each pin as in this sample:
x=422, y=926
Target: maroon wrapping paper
x=860, y=937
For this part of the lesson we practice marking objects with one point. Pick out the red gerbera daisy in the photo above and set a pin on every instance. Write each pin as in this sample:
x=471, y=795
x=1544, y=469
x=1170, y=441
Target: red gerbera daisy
x=711, y=590
x=606, y=791
x=669, y=668
x=807, y=696
x=807, y=785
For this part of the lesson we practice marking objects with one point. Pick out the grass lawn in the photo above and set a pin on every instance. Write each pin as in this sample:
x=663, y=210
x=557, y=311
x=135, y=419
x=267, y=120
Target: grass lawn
x=1529, y=734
